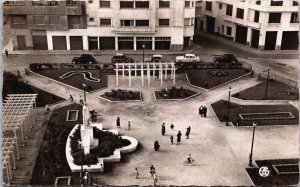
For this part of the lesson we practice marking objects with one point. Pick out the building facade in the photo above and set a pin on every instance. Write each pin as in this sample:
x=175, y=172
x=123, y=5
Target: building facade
x=264, y=25
x=101, y=24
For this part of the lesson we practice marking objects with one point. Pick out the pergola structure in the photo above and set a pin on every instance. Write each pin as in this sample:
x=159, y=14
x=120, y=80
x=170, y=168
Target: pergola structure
x=16, y=111
x=140, y=67
x=9, y=146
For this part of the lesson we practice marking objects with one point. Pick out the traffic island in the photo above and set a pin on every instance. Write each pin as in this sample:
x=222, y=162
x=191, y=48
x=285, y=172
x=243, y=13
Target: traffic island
x=122, y=95
x=174, y=94
x=246, y=115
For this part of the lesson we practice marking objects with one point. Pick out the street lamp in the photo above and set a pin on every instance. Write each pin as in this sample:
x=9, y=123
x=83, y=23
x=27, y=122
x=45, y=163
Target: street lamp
x=250, y=156
x=84, y=86
x=269, y=67
x=143, y=51
x=81, y=171
x=228, y=102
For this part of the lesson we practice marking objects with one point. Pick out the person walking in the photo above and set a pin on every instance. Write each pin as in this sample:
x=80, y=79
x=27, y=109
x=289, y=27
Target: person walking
x=172, y=126
x=152, y=171
x=187, y=134
x=204, y=111
x=189, y=129
x=156, y=145
x=171, y=138
x=201, y=110
x=129, y=125
x=136, y=173
x=178, y=137
x=71, y=98
x=6, y=52
x=118, y=122
x=81, y=100
x=163, y=129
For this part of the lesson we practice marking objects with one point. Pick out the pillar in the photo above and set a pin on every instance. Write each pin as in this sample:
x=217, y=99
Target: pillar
x=174, y=74
x=249, y=33
x=172, y=71
x=68, y=42
x=85, y=43
x=153, y=43
x=166, y=70
x=49, y=42
x=278, y=40
x=154, y=68
x=129, y=75
x=123, y=71
x=134, y=43
x=98, y=43
x=13, y=158
x=142, y=74
x=117, y=75
x=148, y=74
x=135, y=71
x=161, y=74
x=116, y=43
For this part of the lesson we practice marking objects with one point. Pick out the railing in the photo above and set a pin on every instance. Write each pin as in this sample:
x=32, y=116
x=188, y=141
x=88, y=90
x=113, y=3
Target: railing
x=14, y=3
x=278, y=78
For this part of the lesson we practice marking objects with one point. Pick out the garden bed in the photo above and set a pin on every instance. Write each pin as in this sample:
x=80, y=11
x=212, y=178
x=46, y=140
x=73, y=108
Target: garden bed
x=211, y=78
x=220, y=109
x=76, y=80
x=174, y=94
x=276, y=91
x=122, y=95
x=14, y=85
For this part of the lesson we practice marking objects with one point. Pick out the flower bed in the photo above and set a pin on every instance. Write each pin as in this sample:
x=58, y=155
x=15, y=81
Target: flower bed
x=174, y=93
x=121, y=95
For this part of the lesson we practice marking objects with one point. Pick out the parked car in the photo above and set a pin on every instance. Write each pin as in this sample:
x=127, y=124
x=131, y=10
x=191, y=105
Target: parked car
x=188, y=58
x=155, y=58
x=120, y=58
x=226, y=59
x=84, y=59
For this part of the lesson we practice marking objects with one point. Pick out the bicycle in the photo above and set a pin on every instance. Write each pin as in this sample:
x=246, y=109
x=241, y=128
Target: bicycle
x=189, y=163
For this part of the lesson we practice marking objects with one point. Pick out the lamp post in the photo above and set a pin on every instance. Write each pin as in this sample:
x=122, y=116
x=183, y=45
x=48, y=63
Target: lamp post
x=81, y=171
x=266, y=92
x=84, y=86
x=250, y=156
x=228, y=102
x=143, y=51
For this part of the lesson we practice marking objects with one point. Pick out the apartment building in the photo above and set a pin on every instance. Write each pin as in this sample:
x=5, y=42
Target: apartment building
x=101, y=24
x=261, y=24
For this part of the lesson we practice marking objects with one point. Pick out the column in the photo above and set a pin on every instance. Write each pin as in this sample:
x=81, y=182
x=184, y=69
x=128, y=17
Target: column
x=129, y=75
x=278, y=40
x=142, y=74
x=154, y=68
x=161, y=74
x=135, y=71
x=153, y=43
x=134, y=43
x=49, y=42
x=172, y=71
x=85, y=43
x=148, y=74
x=68, y=42
x=123, y=71
x=98, y=42
x=174, y=74
x=117, y=75
x=116, y=43
x=249, y=33
x=13, y=158
x=166, y=70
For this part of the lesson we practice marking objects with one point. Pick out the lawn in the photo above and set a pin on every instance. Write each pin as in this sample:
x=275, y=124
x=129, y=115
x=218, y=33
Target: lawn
x=208, y=78
x=51, y=161
x=14, y=85
x=220, y=108
x=174, y=93
x=274, y=178
x=77, y=80
x=276, y=91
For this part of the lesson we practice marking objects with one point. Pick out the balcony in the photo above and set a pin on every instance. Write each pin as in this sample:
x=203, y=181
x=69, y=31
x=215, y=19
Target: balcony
x=261, y=8
x=254, y=24
x=14, y=9
x=274, y=25
x=74, y=10
x=48, y=27
x=134, y=30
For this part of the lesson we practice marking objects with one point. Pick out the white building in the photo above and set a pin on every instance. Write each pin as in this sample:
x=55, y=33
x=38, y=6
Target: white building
x=265, y=24
x=102, y=24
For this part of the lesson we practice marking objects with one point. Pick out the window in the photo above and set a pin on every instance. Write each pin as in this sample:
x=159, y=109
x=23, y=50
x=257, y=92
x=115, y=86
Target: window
x=208, y=5
x=274, y=17
x=39, y=20
x=228, y=31
x=104, y=4
x=295, y=3
x=127, y=23
x=186, y=21
x=220, y=5
x=18, y=19
x=126, y=4
x=142, y=4
x=229, y=10
x=54, y=19
x=164, y=22
x=91, y=19
x=294, y=17
x=258, y=2
x=90, y=1
x=187, y=4
x=256, y=16
x=164, y=4
x=276, y=3
x=240, y=13
x=105, y=22
x=142, y=23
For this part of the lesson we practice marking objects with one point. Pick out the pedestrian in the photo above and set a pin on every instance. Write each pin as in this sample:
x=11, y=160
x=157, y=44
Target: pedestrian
x=81, y=100
x=163, y=129
x=47, y=108
x=156, y=145
x=157, y=75
x=118, y=122
x=152, y=170
x=178, y=137
x=189, y=128
x=172, y=126
x=136, y=173
x=129, y=125
x=171, y=138
x=201, y=110
x=154, y=179
x=204, y=111
x=86, y=177
x=71, y=98
x=187, y=134
x=6, y=52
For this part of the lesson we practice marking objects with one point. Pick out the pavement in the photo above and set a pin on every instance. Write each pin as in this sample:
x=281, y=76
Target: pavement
x=221, y=152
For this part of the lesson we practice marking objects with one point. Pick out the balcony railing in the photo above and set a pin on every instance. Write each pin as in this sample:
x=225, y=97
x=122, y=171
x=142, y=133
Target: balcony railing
x=136, y=30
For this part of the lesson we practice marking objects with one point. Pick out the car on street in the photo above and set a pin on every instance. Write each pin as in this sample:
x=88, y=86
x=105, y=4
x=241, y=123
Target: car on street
x=155, y=58
x=226, y=59
x=120, y=58
x=84, y=59
x=188, y=58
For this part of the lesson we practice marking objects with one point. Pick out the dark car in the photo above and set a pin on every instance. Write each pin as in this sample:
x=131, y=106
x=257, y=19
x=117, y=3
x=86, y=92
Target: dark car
x=120, y=58
x=226, y=59
x=84, y=59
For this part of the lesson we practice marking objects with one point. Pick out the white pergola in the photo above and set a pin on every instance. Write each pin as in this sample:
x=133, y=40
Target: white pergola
x=16, y=111
x=162, y=67
x=9, y=147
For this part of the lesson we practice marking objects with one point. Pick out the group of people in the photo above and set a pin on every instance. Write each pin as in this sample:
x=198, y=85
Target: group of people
x=202, y=111
x=118, y=123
